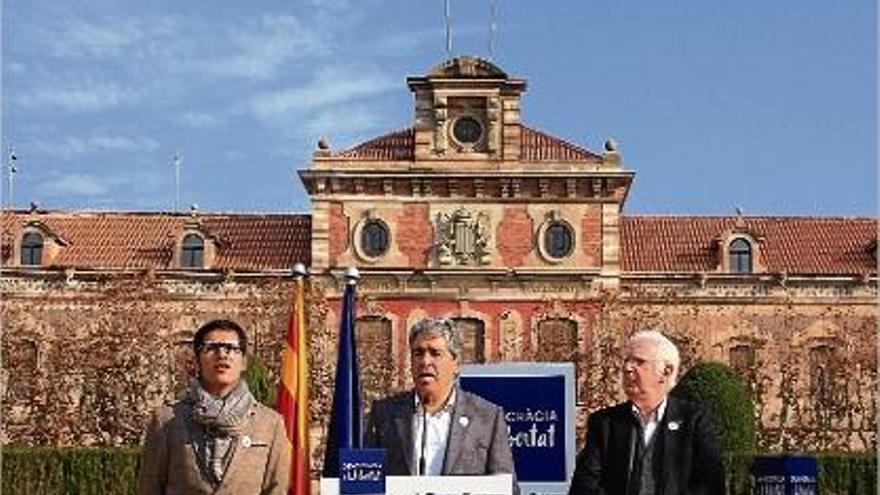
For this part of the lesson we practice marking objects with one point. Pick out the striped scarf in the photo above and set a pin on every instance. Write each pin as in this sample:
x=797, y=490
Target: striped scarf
x=221, y=419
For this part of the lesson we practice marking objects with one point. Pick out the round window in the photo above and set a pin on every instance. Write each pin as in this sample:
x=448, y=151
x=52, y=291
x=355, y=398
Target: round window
x=374, y=239
x=558, y=240
x=467, y=130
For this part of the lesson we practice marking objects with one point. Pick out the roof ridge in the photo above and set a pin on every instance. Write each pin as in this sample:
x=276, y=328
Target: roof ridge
x=745, y=217
x=147, y=213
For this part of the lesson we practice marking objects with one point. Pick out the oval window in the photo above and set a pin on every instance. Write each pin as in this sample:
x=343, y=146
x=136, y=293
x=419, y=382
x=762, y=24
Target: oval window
x=558, y=240
x=374, y=239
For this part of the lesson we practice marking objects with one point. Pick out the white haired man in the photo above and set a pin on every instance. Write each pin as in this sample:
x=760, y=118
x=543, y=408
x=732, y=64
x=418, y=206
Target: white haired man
x=653, y=443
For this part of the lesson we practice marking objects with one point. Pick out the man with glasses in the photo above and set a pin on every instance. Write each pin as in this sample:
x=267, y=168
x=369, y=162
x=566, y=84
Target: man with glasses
x=218, y=439
x=437, y=428
x=653, y=443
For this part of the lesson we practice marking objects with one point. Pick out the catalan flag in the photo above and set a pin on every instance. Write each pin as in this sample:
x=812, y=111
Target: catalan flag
x=293, y=394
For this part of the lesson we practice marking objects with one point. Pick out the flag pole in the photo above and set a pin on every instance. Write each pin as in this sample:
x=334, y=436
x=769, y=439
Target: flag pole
x=346, y=417
x=293, y=394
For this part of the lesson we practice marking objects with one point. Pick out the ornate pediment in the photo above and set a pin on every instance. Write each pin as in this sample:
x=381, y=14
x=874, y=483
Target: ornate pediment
x=464, y=67
x=462, y=238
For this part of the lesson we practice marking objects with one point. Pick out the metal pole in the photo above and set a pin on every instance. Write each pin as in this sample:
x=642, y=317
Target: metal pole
x=448, y=30
x=177, y=160
x=12, y=171
x=493, y=27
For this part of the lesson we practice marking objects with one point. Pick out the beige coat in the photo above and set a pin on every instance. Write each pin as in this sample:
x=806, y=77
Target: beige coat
x=260, y=462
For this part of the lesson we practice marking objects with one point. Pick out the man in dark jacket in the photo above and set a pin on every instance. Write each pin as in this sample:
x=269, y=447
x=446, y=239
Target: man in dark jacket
x=653, y=444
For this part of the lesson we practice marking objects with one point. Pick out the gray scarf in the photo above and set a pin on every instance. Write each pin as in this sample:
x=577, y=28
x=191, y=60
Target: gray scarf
x=221, y=420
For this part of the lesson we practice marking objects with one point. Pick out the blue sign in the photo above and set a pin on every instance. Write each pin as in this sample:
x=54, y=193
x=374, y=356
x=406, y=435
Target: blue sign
x=361, y=471
x=538, y=402
x=786, y=475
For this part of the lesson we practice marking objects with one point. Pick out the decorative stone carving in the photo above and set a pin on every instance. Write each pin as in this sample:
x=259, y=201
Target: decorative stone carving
x=463, y=238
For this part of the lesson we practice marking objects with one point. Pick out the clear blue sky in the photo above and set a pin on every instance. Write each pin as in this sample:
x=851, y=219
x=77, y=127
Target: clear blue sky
x=769, y=105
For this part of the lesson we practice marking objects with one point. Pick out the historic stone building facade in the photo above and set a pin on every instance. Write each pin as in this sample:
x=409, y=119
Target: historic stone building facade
x=519, y=236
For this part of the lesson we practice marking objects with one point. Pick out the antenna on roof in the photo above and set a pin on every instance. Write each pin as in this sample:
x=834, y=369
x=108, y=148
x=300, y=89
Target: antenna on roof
x=493, y=27
x=448, y=18
x=178, y=159
x=12, y=170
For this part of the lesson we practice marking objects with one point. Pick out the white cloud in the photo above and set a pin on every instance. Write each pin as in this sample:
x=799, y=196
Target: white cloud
x=331, y=86
x=16, y=68
x=110, y=37
x=75, y=35
x=341, y=123
x=265, y=45
x=82, y=98
x=78, y=146
x=199, y=120
x=75, y=185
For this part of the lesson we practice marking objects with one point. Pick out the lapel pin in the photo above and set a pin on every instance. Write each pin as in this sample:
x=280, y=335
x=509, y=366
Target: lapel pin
x=246, y=441
x=673, y=425
x=464, y=421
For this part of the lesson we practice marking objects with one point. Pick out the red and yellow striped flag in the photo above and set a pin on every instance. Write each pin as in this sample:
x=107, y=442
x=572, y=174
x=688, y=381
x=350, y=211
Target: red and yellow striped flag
x=293, y=394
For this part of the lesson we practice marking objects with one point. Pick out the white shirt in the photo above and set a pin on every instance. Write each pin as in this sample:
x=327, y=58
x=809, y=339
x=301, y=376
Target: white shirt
x=650, y=426
x=437, y=429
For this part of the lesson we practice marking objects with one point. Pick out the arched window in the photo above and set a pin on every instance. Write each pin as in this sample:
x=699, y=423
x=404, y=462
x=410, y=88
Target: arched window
x=821, y=372
x=32, y=249
x=557, y=341
x=822, y=384
x=472, y=332
x=373, y=337
x=742, y=359
x=740, y=256
x=192, y=252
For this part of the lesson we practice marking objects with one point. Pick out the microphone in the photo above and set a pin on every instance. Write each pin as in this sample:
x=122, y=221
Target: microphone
x=424, y=440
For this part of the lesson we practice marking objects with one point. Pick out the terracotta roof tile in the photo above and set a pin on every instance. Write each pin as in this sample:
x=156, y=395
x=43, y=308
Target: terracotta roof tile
x=683, y=244
x=536, y=146
x=795, y=245
x=395, y=146
x=146, y=240
x=541, y=147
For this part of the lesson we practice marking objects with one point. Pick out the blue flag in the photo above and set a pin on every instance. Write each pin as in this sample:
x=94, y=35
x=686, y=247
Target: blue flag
x=346, y=418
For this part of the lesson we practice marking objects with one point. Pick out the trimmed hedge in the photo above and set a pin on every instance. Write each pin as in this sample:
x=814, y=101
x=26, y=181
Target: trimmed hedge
x=113, y=471
x=69, y=471
x=844, y=473
x=723, y=392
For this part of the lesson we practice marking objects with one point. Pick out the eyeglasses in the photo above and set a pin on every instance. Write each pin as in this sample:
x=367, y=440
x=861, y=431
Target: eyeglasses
x=215, y=346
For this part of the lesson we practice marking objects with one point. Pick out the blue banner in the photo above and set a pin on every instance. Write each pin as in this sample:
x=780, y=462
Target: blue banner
x=535, y=411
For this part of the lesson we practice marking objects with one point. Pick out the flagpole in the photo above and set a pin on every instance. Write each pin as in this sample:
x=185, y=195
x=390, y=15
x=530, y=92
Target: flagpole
x=346, y=417
x=293, y=395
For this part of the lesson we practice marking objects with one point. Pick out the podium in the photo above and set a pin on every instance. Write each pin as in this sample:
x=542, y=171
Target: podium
x=495, y=484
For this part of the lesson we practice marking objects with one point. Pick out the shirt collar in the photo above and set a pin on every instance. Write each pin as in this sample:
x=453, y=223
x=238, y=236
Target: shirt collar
x=417, y=402
x=657, y=415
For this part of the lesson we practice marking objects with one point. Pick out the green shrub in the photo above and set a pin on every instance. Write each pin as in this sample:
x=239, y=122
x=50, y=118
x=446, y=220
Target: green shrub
x=840, y=473
x=69, y=471
x=722, y=391
x=113, y=471
x=259, y=381
x=847, y=473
